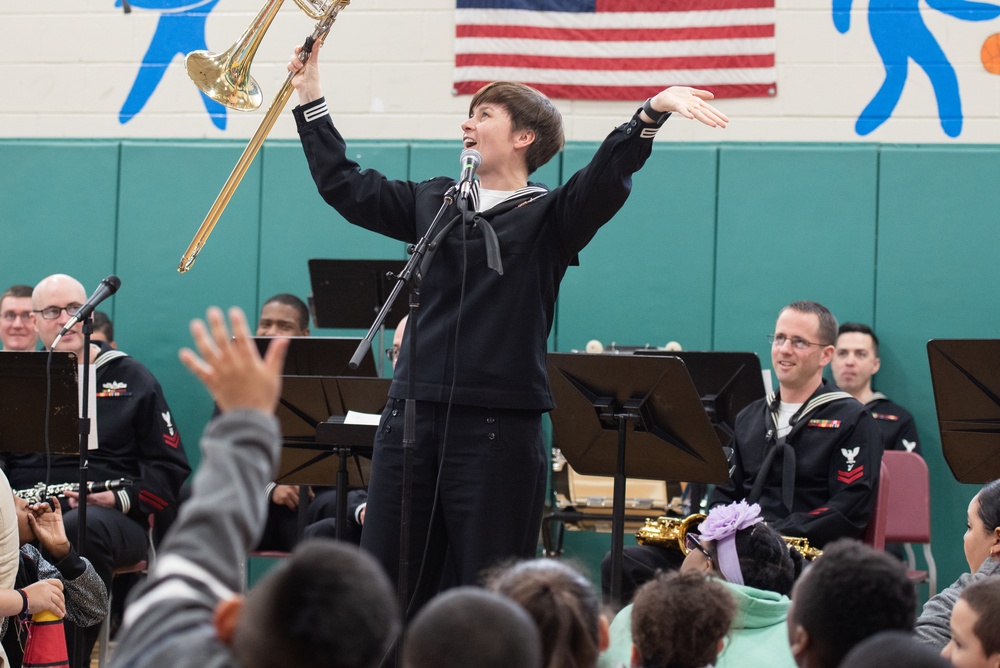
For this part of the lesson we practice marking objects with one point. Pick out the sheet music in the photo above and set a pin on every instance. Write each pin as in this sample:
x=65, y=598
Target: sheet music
x=355, y=417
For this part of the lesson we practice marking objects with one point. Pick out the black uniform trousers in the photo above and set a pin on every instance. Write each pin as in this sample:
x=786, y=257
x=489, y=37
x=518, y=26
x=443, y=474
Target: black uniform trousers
x=490, y=495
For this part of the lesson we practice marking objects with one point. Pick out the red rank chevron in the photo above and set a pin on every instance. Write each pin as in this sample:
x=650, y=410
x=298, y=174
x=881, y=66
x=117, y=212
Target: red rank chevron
x=172, y=440
x=847, y=477
x=152, y=499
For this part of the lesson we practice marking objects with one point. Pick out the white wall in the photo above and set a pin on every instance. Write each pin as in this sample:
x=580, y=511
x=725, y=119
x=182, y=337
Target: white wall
x=66, y=67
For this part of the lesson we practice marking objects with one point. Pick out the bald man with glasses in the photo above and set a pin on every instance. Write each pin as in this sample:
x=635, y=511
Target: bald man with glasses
x=809, y=453
x=137, y=441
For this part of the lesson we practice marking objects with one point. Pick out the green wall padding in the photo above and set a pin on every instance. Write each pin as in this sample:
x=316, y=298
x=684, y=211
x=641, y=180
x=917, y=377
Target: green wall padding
x=651, y=266
x=795, y=222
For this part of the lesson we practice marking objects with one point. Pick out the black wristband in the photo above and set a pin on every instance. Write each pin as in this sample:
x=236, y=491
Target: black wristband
x=24, y=597
x=659, y=117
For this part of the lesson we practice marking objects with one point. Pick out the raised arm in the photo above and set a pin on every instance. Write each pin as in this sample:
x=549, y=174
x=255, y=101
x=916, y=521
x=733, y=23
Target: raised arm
x=307, y=81
x=691, y=103
x=231, y=368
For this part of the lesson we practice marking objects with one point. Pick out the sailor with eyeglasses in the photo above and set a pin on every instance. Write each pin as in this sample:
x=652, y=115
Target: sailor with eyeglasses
x=137, y=440
x=809, y=453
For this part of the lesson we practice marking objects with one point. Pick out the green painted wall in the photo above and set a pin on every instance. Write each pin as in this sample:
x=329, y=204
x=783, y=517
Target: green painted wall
x=715, y=239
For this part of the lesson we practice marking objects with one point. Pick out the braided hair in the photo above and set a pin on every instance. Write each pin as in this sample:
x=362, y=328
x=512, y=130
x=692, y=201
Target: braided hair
x=767, y=562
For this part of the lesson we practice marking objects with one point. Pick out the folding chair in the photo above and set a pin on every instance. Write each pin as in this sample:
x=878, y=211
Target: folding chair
x=909, y=516
x=875, y=532
x=104, y=639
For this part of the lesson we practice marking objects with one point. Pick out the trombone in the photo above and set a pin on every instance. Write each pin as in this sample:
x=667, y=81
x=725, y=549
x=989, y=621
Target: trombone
x=225, y=77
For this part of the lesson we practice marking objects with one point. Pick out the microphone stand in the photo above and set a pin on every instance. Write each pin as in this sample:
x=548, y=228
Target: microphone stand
x=421, y=255
x=81, y=509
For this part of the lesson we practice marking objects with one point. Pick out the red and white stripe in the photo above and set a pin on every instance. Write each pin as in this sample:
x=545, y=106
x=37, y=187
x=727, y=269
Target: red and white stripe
x=624, y=50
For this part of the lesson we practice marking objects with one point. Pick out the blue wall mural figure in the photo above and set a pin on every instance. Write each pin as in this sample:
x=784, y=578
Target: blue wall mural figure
x=900, y=34
x=180, y=30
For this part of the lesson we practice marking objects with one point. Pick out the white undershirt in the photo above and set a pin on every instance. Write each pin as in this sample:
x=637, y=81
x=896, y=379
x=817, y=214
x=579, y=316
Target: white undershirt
x=490, y=198
x=785, y=413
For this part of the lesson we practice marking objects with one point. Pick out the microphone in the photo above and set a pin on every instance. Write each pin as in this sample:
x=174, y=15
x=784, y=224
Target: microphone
x=108, y=287
x=471, y=159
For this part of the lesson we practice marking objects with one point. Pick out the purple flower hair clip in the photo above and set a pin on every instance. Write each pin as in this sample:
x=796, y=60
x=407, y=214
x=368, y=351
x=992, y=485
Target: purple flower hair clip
x=721, y=526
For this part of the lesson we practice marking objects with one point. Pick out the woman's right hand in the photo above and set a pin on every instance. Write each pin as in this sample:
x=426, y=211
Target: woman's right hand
x=306, y=79
x=46, y=595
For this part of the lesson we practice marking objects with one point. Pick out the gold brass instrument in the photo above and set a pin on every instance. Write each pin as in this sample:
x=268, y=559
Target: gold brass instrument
x=671, y=533
x=226, y=79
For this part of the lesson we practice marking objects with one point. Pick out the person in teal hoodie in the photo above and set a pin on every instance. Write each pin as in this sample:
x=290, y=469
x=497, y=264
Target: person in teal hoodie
x=758, y=568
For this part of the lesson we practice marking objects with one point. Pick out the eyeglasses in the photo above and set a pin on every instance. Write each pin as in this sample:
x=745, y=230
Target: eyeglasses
x=778, y=340
x=392, y=354
x=11, y=316
x=692, y=542
x=52, y=312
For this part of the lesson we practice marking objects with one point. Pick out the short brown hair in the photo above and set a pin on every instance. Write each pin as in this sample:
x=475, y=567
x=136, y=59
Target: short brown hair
x=529, y=109
x=17, y=291
x=827, y=321
x=679, y=618
x=983, y=597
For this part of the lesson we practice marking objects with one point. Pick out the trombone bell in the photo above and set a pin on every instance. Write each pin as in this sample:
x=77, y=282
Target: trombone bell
x=215, y=76
x=225, y=77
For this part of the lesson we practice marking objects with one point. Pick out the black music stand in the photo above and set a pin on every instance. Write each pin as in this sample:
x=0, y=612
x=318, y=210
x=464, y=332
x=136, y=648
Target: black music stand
x=965, y=376
x=350, y=293
x=322, y=356
x=317, y=445
x=633, y=417
x=22, y=411
x=727, y=382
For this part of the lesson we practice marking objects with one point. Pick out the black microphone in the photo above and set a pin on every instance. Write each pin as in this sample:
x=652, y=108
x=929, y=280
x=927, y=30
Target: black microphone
x=108, y=287
x=471, y=159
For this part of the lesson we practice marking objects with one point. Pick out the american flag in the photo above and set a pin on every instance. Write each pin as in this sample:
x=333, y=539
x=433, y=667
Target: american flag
x=617, y=49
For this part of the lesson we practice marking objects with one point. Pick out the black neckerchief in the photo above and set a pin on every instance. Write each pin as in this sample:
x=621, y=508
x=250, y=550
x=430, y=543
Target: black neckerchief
x=481, y=220
x=822, y=396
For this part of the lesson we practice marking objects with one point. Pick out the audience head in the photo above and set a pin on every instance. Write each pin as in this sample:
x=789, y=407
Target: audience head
x=17, y=333
x=565, y=608
x=982, y=533
x=889, y=648
x=468, y=626
x=734, y=544
x=283, y=315
x=850, y=593
x=529, y=111
x=975, y=627
x=803, y=344
x=329, y=604
x=54, y=301
x=680, y=620
x=104, y=329
x=856, y=358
